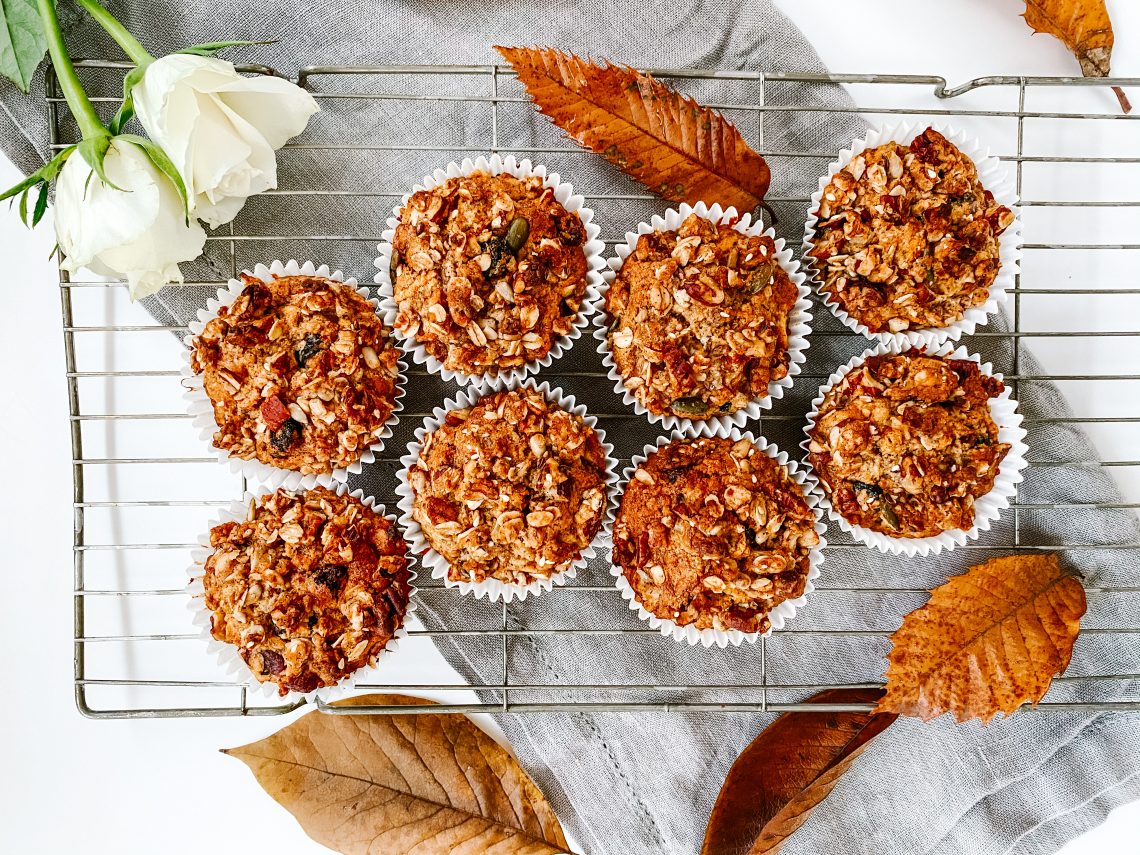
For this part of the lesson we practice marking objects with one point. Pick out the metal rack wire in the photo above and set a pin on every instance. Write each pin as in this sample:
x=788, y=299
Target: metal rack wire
x=137, y=515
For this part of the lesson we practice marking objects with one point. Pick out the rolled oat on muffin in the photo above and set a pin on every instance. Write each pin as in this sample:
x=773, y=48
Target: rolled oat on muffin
x=310, y=587
x=512, y=488
x=300, y=371
x=905, y=443
x=488, y=271
x=908, y=238
x=698, y=319
x=714, y=533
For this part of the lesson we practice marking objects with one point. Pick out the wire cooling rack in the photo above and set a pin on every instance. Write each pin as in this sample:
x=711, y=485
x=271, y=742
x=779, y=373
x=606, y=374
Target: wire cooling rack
x=144, y=488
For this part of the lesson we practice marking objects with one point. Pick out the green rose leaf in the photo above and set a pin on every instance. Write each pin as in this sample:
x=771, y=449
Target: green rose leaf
x=22, y=42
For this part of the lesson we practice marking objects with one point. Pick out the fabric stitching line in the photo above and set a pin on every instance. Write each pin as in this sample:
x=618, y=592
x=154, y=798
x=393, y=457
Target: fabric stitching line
x=586, y=719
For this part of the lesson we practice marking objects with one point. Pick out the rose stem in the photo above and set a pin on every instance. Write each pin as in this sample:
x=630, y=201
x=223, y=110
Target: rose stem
x=77, y=100
x=122, y=36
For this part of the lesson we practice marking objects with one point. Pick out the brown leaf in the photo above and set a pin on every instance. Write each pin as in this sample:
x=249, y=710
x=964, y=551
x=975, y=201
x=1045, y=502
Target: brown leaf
x=678, y=149
x=793, y=752
x=431, y=784
x=987, y=641
x=795, y=813
x=1083, y=26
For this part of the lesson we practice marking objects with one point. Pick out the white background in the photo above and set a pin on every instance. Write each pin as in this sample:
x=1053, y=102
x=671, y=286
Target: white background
x=69, y=784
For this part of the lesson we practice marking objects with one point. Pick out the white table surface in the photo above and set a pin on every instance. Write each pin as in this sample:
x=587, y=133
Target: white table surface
x=70, y=784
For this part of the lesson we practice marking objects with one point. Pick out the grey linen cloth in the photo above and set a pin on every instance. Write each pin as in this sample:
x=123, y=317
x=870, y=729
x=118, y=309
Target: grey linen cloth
x=626, y=783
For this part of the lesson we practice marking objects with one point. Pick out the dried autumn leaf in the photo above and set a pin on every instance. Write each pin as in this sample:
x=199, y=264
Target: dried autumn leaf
x=795, y=813
x=791, y=754
x=987, y=641
x=678, y=149
x=432, y=784
x=1085, y=29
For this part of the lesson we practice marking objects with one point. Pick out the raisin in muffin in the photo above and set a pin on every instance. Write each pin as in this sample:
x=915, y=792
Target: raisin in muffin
x=698, y=319
x=310, y=587
x=301, y=373
x=511, y=489
x=488, y=271
x=714, y=533
x=905, y=443
x=907, y=237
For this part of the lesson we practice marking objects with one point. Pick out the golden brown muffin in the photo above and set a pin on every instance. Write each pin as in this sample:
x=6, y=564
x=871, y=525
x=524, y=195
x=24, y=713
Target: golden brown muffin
x=698, y=319
x=714, y=533
x=907, y=237
x=300, y=371
x=905, y=443
x=310, y=587
x=488, y=271
x=512, y=489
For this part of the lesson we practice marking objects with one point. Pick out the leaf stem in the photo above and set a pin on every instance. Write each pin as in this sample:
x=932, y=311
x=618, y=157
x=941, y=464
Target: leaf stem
x=77, y=100
x=122, y=36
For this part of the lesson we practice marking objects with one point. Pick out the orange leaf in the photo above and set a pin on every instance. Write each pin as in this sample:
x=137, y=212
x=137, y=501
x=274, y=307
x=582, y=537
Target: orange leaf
x=1085, y=29
x=792, y=753
x=987, y=641
x=678, y=149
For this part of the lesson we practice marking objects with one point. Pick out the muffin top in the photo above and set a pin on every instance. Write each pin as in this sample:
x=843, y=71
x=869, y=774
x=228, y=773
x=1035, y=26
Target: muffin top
x=310, y=587
x=300, y=371
x=511, y=489
x=699, y=319
x=907, y=236
x=488, y=271
x=714, y=533
x=905, y=443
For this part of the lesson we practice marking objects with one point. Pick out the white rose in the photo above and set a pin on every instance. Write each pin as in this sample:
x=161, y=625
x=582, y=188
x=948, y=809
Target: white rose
x=221, y=129
x=138, y=232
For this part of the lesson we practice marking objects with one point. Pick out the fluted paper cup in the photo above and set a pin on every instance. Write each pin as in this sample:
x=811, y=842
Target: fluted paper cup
x=201, y=408
x=799, y=319
x=227, y=654
x=993, y=176
x=987, y=508
x=493, y=589
x=564, y=194
x=782, y=612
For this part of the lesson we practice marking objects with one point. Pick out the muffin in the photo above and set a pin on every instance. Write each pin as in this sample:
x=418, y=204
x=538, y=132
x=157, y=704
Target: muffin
x=907, y=236
x=905, y=443
x=511, y=489
x=488, y=271
x=300, y=372
x=310, y=587
x=713, y=533
x=698, y=319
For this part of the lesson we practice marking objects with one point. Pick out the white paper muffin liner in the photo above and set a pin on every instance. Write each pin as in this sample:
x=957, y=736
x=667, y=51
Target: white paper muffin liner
x=993, y=176
x=783, y=612
x=495, y=165
x=493, y=589
x=987, y=508
x=201, y=409
x=799, y=319
x=227, y=654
